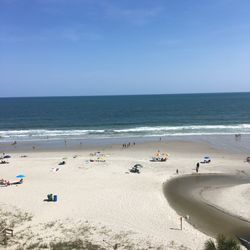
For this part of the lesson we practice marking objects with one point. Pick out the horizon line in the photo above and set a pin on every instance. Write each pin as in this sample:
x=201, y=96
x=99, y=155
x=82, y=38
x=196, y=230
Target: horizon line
x=112, y=95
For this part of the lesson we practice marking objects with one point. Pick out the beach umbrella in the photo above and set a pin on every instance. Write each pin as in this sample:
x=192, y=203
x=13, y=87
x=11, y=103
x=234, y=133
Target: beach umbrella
x=20, y=176
x=138, y=166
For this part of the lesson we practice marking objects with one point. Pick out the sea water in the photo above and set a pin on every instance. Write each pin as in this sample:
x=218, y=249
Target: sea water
x=95, y=117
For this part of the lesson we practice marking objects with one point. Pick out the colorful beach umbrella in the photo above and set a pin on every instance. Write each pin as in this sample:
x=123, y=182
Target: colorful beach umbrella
x=20, y=176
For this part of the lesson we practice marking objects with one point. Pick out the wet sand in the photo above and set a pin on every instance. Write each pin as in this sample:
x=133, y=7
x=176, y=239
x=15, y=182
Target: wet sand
x=184, y=195
x=221, y=142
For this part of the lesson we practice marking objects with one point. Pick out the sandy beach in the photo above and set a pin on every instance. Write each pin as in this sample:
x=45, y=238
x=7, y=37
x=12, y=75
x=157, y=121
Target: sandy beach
x=103, y=204
x=124, y=125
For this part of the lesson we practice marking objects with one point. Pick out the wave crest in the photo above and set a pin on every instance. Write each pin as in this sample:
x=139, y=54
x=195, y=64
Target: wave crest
x=38, y=134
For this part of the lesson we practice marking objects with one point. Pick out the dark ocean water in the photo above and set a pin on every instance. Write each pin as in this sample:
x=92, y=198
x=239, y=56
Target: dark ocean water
x=124, y=116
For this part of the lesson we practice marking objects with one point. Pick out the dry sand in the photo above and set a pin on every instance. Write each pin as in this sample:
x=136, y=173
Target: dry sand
x=102, y=201
x=235, y=200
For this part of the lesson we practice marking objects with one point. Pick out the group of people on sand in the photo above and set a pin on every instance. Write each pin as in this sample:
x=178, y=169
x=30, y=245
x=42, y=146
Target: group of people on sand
x=4, y=162
x=4, y=182
x=8, y=183
x=3, y=157
x=159, y=157
x=127, y=145
x=99, y=157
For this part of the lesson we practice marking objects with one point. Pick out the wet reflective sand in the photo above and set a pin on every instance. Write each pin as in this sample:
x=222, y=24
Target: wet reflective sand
x=184, y=195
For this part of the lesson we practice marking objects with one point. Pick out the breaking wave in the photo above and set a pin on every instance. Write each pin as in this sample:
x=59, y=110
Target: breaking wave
x=42, y=134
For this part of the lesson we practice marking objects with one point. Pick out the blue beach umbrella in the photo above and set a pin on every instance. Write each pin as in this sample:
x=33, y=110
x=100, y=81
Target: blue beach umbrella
x=20, y=176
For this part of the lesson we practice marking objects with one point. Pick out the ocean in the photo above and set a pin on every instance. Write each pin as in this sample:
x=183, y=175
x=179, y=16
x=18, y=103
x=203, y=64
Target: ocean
x=53, y=118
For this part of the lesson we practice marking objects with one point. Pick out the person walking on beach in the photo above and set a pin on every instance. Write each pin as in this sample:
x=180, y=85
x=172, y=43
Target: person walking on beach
x=197, y=167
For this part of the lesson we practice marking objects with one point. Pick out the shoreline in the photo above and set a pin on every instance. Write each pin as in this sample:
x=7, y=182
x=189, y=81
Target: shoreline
x=220, y=142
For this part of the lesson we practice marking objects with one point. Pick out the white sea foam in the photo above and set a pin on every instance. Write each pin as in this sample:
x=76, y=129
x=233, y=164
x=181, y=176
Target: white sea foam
x=33, y=134
x=191, y=127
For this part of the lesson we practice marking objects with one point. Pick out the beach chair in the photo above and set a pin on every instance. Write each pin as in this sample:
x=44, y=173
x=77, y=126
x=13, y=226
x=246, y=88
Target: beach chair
x=55, y=198
x=2, y=182
x=206, y=159
x=100, y=160
x=50, y=197
x=17, y=182
x=4, y=162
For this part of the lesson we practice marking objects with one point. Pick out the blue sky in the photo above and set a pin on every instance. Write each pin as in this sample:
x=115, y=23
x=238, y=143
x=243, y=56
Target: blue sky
x=101, y=47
